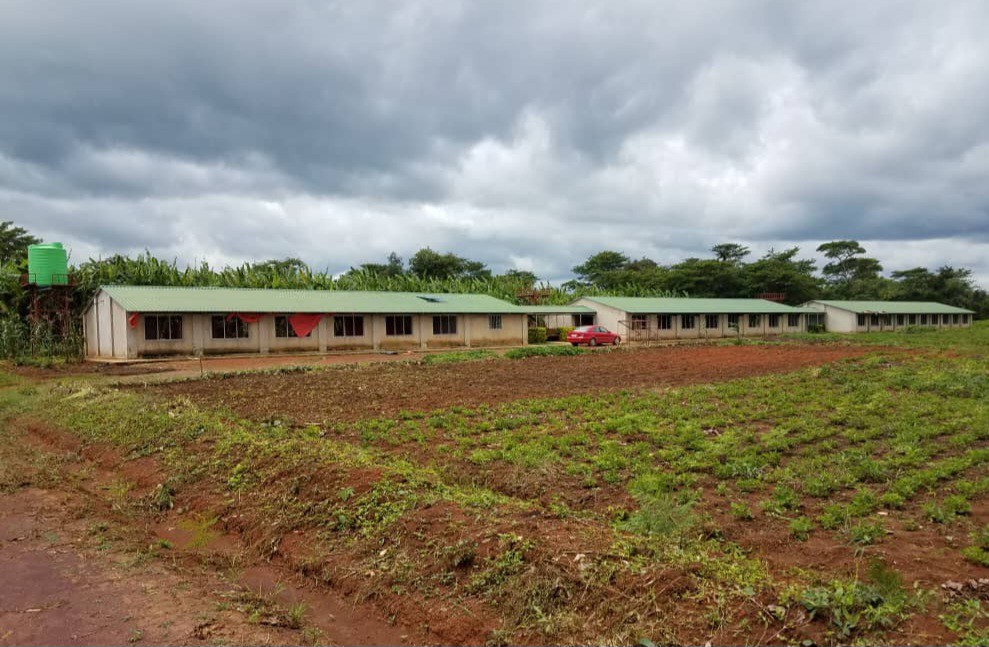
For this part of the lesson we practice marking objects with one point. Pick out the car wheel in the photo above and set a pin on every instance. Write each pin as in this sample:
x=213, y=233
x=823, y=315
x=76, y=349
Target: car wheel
x=617, y=341
x=594, y=341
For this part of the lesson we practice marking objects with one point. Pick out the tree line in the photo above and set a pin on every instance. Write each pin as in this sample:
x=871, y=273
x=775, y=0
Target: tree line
x=849, y=273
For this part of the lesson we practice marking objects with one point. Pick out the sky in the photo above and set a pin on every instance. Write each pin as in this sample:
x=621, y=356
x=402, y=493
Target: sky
x=524, y=134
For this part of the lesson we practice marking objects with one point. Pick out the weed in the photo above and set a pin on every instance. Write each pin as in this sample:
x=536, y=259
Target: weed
x=741, y=511
x=800, y=528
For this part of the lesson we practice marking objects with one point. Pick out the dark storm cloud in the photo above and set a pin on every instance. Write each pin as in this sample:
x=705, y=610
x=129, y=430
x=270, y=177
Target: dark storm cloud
x=524, y=134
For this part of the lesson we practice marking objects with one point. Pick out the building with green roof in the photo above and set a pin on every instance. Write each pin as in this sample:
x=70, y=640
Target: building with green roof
x=871, y=316
x=127, y=321
x=655, y=319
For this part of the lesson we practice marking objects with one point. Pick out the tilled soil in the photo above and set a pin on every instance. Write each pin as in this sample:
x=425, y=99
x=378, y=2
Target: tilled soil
x=352, y=393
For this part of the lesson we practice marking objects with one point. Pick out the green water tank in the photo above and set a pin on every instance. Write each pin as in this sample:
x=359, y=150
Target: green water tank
x=47, y=264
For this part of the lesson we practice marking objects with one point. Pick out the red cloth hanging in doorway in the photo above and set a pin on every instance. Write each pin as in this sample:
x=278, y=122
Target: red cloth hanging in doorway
x=303, y=324
x=246, y=317
x=132, y=320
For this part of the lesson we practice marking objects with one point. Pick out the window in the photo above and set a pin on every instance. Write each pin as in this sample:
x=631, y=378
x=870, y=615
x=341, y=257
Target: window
x=162, y=327
x=640, y=322
x=348, y=326
x=396, y=325
x=861, y=320
x=900, y=320
x=232, y=328
x=284, y=330
x=912, y=319
x=945, y=319
x=711, y=321
x=874, y=320
x=687, y=322
x=954, y=319
x=444, y=325
x=494, y=322
x=887, y=320
x=755, y=321
x=665, y=322
x=733, y=321
x=965, y=319
x=793, y=321
x=774, y=321
x=537, y=321
x=923, y=320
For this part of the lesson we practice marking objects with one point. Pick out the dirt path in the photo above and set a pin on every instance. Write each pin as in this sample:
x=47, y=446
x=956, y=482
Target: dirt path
x=349, y=393
x=68, y=580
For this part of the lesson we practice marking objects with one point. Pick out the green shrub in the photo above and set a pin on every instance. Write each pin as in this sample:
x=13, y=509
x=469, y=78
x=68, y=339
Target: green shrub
x=978, y=552
x=741, y=511
x=542, y=351
x=563, y=331
x=459, y=356
x=800, y=528
x=537, y=335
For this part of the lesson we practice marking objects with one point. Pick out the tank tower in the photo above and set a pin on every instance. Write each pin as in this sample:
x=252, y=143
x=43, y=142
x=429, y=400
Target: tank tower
x=49, y=287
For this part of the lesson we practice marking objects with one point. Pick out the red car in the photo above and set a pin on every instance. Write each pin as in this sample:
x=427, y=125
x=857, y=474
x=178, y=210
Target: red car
x=592, y=336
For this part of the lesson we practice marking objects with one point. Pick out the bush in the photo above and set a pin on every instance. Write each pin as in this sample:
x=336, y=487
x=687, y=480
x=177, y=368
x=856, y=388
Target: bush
x=459, y=356
x=563, y=331
x=816, y=328
x=537, y=335
x=542, y=351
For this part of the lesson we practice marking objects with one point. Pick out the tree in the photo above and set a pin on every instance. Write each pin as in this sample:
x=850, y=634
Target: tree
x=428, y=264
x=850, y=274
x=706, y=278
x=782, y=272
x=392, y=267
x=730, y=252
x=595, y=269
x=521, y=277
x=14, y=241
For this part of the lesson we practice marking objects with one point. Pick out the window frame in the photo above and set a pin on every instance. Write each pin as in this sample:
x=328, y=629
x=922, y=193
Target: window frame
x=348, y=325
x=861, y=320
x=755, y=321
x=288, y=329
x=793, y=320
x=773, y=317
x=688, y=322
x=171, y=320
x=495, y=322
x=664, y=319
x=911, y=320
x=406, y=329
x=444, y=325
x=945, y=321
x=709, y=318
x=639, y=322
x=237, y=324
x=734, y=321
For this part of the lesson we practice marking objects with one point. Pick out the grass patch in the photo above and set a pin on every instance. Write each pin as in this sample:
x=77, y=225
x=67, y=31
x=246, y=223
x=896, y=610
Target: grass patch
x=459, y=356
x=543, y=351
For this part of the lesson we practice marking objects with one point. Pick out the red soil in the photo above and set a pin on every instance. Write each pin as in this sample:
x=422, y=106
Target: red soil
x=385, y=389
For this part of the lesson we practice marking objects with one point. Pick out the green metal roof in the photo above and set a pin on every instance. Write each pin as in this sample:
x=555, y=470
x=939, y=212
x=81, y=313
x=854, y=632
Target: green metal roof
x=649, y=305
x=558, y=310
x=895, y=307
x=133, y=298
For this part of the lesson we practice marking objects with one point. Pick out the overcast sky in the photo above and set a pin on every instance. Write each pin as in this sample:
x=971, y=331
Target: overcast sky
x=523, y=134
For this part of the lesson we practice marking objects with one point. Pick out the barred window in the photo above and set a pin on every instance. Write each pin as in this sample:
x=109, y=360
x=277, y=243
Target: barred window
x=755, y=321
x=232, y=328
x=711, y=321
x=687, y=322
x=774, y=321
x=162, y=327
x=284, y=330
x=665, y=322
x=445, y=325
x=348, y=326
x=494, y=322
x=398, y=325
x=793, y=321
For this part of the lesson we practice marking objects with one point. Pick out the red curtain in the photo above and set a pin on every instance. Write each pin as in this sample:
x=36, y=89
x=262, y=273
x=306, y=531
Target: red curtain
x=132, y=319
x=246, y=317
x=303, y=324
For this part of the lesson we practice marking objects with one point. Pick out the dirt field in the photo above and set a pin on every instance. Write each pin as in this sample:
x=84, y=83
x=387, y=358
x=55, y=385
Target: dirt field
x=346, y=394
